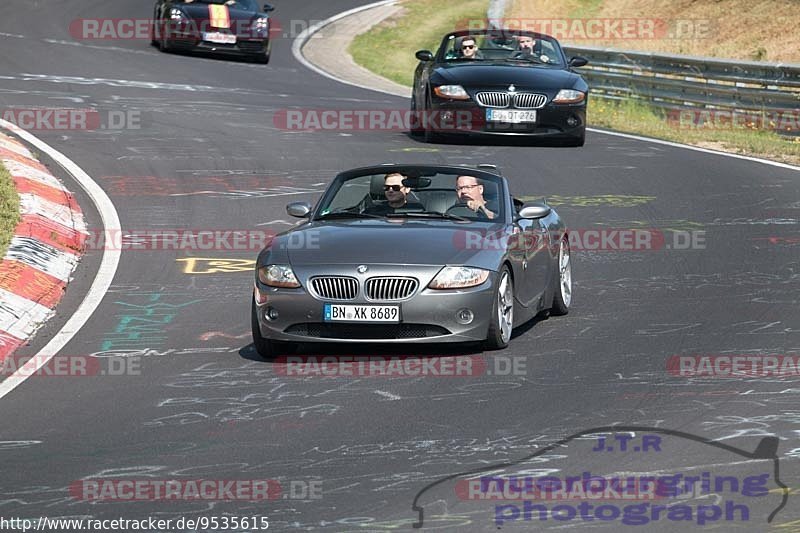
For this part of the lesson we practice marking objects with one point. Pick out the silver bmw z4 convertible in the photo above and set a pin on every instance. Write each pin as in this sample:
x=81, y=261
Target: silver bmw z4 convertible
x=411, y=254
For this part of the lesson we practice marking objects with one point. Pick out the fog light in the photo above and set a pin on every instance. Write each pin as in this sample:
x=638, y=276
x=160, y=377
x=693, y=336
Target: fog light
x=572, y=122
x=464, y=316
x=271, y=313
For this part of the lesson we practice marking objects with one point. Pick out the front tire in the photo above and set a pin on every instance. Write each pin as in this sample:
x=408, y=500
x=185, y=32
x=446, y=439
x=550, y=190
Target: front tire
x=578, y=140
x=264, y=347
x=416, y=123
x=562, y=297
x=502, y=320
x=428, y=135
x=163, y=41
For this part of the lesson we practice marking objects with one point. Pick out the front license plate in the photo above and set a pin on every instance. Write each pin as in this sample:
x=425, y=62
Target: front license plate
x=361, y=313
x=510, y=116
x=219, y=38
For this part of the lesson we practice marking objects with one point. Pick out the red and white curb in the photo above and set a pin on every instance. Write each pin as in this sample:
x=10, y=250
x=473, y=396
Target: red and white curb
x=44, y=250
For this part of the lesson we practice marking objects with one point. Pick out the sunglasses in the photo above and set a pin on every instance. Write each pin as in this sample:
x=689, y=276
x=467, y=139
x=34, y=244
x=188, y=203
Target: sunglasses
x=468, y=47
x=395, y=188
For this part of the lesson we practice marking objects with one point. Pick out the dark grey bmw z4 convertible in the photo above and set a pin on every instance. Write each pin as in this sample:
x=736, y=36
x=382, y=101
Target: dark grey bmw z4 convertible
x=411, y=254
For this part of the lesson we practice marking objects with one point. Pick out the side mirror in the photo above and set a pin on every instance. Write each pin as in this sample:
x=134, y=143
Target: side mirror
x=534, y=211
x=424, y=55
x=268, y=8
x=298, y=209
x=578, y=61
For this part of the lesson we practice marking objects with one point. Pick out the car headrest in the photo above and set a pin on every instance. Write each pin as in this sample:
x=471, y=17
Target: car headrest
x=376, y=187
x=489, y=190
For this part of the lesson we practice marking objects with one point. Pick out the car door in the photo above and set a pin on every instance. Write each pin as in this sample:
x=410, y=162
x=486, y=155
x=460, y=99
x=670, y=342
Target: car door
x=533, y=243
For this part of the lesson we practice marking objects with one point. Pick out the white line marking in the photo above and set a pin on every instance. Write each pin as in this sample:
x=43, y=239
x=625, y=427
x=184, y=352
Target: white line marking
x=103, y=279
x=388, y=395
x=301, y=40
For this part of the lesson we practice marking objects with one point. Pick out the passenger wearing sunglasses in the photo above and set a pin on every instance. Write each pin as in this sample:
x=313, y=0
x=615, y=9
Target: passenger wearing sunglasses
x=396, y=197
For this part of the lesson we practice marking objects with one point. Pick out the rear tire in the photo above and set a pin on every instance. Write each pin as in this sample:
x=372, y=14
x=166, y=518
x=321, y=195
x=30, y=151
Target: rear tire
x=264, y=347
x=562, y=290
x=502, y=321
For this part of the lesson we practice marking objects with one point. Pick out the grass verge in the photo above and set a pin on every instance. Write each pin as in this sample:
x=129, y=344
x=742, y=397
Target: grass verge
x=9, y=209
x=388, y=50
x=641, y=119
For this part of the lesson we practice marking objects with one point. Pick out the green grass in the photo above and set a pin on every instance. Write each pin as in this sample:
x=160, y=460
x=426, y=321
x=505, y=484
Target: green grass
x=586, y=9
x=641, y=119
x=9, y=209
x=388, y=48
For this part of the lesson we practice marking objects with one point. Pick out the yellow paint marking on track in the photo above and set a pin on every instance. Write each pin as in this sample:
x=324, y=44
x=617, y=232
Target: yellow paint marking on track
x=206, y=265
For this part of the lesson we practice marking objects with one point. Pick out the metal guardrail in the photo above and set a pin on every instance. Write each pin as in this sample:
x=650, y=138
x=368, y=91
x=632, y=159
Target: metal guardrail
x=682, y=82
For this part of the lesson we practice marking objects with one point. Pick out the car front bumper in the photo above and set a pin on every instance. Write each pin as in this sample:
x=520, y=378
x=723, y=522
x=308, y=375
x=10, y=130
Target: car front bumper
x=429, y=316
x=467, y=118
x=244, y=47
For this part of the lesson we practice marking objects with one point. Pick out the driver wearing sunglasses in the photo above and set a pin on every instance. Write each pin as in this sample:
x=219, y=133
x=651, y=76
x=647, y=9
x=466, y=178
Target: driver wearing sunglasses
x=468, y=49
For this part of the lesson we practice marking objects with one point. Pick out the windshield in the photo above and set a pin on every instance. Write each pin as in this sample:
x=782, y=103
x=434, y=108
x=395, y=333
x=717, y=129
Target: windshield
x=517, y=48
x=459, y=196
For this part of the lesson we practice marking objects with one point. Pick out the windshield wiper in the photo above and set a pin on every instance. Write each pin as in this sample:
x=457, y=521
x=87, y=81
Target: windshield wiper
x=348, y=214
x=429, y=214
x=527, y=59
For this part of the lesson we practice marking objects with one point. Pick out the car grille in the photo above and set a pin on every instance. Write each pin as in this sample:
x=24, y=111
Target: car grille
x=366, y=331
x=493, y=99
x=334, y=287
x=251, y=46
x=518, y=100
x=529, y=100
x=390, y=288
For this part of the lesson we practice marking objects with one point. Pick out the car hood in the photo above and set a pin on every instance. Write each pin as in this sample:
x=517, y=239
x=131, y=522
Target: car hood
x=391, y=241
x=200, y=12
x=501, y=76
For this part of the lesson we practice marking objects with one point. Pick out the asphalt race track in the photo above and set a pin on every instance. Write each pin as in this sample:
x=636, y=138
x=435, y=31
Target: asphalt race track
x=200, y=404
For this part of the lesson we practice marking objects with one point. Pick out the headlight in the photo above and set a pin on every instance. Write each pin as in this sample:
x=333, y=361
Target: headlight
x=261, y=24
x=454, y=92
x=278, y=276
x=569, y=96
x=176, y=15
x=458, y=278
